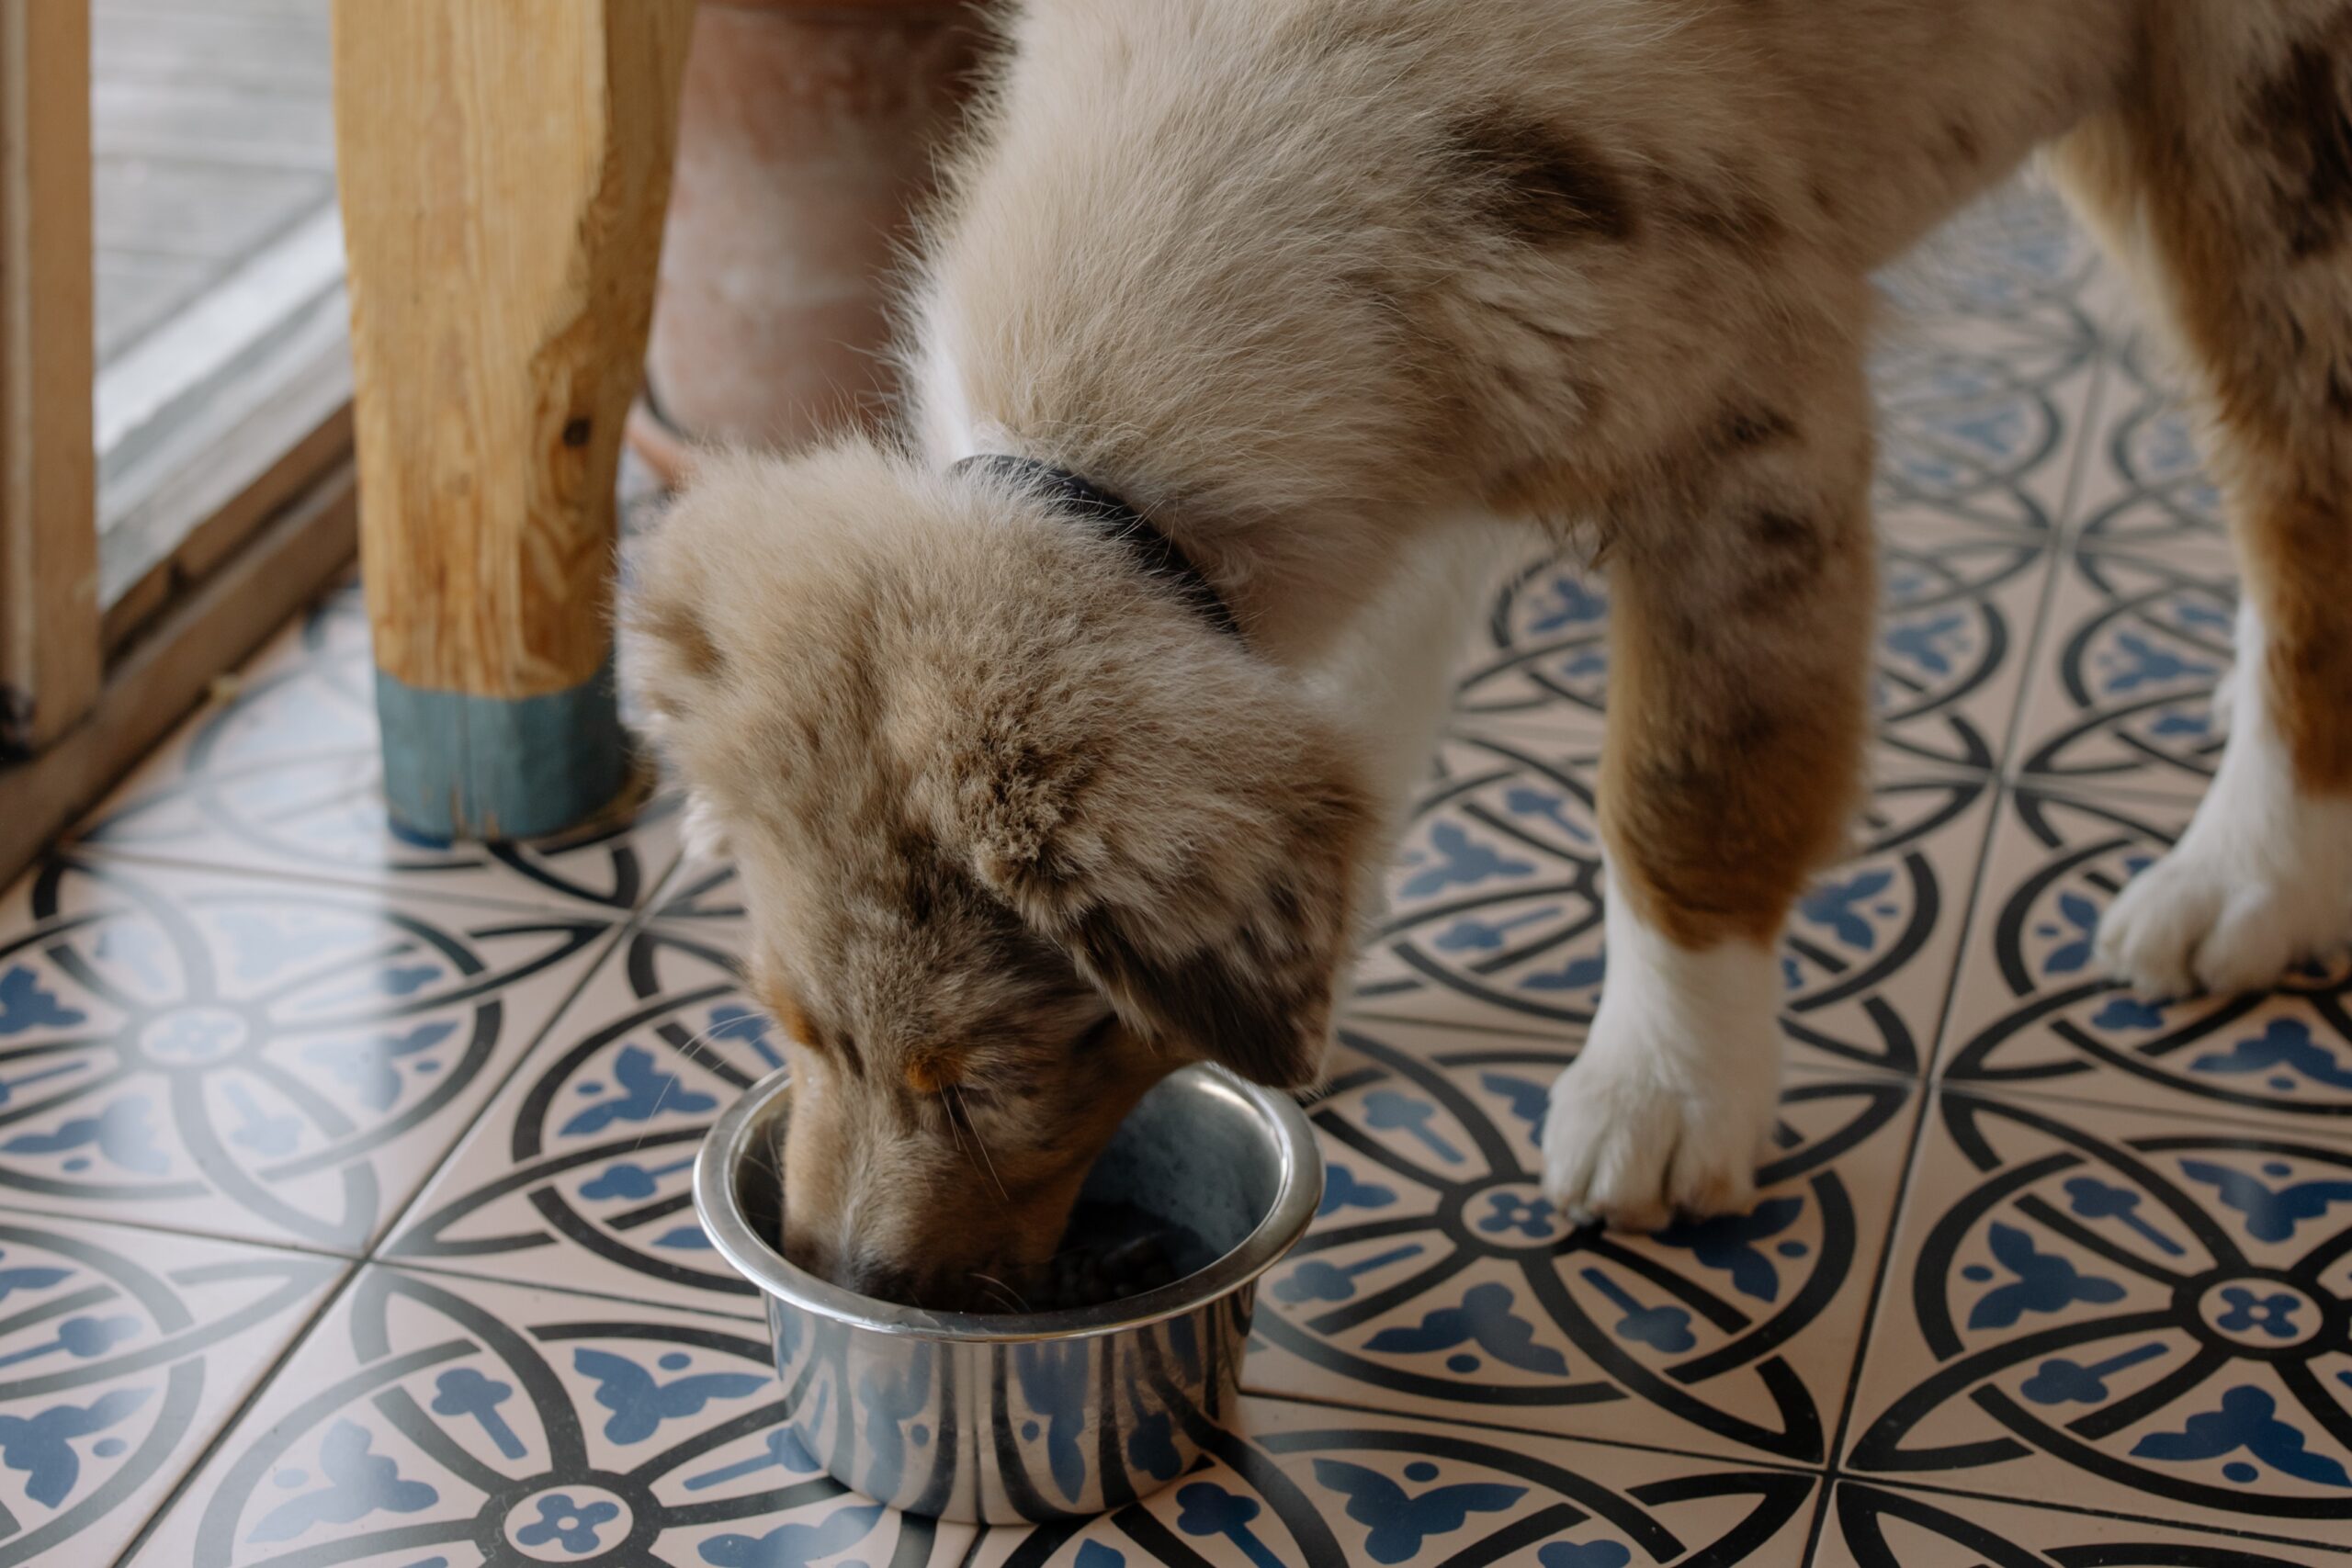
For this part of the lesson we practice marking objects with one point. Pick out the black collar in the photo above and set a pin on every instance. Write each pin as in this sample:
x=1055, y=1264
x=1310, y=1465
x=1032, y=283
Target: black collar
x=1158, y=556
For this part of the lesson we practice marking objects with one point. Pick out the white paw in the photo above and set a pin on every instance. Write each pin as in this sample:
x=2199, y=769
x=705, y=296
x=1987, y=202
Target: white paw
x=2261, y=881
x=1626, y=1146
x=2214, y=919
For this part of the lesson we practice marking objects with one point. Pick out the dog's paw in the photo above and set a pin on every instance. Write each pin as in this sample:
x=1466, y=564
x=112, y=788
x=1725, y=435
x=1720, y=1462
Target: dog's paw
x=2211, y=917
x=1634, y=1137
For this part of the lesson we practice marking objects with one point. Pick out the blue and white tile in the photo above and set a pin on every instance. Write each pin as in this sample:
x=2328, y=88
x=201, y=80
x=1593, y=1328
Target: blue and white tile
x=1437, y=1282
x=1495, y=908
x=2142, y=616
x=1980, y=425
x=579, y=1173
x=121, y=1354
x=1887, y=1526
x=2121, y=699
x=705, y=898
x=433, y=1418
x=2146, y=489
x=1304, y=1484
x=1957, y=611
x=1986, y=368
x=2116, y=1309
x=281, y=773
x=2033, y=1012
x=280, y=1061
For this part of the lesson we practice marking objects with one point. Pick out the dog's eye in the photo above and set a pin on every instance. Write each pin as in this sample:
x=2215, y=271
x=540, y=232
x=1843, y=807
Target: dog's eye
x=1096, y=1037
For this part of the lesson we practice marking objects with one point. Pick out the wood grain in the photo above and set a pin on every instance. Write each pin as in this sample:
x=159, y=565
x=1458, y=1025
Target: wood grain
x=505, y=169
x=49, y=655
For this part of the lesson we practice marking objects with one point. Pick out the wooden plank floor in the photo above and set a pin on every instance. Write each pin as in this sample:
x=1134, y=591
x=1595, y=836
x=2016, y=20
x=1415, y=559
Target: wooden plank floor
x=213, y=137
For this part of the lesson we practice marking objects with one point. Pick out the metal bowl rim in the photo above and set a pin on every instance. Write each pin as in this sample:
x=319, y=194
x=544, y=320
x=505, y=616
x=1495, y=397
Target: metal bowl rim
x=1298, y=1190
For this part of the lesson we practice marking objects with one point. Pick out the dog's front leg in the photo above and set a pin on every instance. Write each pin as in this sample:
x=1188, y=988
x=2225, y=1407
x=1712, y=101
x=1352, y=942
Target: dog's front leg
x=1740, y=632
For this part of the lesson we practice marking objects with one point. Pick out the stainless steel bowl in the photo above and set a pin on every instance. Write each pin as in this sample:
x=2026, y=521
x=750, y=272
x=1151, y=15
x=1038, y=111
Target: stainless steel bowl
x=998, y=1419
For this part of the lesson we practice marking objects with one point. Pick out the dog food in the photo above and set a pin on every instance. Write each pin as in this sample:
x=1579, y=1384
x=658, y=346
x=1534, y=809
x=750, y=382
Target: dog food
x=1112, y=1250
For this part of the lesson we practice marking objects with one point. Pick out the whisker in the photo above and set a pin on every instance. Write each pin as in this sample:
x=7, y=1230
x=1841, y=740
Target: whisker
x=1003, y=1290
x=954, y=1101
x=687, y=1049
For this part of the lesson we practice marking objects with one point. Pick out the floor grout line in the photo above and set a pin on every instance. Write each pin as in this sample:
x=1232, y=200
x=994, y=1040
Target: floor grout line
x=612, y=945
x=752, y=1311
x=1914, y=1153
x=1836, y=1477
x=2249, y=1122
x=235, y=1420
x=1745, y=1461
x=69, y=1217
x=389, y=882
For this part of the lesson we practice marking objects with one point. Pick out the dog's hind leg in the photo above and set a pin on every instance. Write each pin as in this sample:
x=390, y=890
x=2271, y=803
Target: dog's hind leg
x=2225, y=180
x=1740, y=626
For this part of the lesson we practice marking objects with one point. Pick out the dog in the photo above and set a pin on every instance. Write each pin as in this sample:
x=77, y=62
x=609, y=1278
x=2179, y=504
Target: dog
x=1059, y=738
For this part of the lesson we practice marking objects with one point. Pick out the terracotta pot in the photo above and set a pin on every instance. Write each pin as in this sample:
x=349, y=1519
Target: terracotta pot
x=808, y=133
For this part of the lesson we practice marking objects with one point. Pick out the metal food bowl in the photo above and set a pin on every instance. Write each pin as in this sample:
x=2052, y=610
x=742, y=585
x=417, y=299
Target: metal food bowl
x=999, y=1418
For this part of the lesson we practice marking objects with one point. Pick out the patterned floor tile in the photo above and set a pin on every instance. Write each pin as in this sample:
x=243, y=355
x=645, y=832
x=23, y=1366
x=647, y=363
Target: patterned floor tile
x=283, y=775
x=705, y=898
x=242, y=1006
x=437, y=1419
x=1881, y=1526
x=579, y=1175
x=2120, y=1311
x=1495, y=908
x=1979, y=423
x=2121, y=699
x=2142, y=616
x=2033, y=1011
x=1436, y=1280
x=1304, y=1484
x=1956, y=611
x=278, y=1061
x=2146, y=489
x=121, y=1352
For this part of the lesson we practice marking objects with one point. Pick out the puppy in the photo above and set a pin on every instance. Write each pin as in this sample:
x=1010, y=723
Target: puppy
x=1272, y=324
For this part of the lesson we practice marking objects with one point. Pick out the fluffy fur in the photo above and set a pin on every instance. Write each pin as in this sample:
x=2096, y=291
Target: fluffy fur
x=1356, y=298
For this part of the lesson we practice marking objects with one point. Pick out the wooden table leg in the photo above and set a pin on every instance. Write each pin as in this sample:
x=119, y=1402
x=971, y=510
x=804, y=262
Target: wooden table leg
x=49, y=646
x=504, y=170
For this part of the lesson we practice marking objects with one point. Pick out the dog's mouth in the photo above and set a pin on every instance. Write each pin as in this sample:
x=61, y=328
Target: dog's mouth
x=1109, y=1252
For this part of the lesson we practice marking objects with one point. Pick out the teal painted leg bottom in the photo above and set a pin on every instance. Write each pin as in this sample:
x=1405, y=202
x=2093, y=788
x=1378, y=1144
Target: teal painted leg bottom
x=457, y=766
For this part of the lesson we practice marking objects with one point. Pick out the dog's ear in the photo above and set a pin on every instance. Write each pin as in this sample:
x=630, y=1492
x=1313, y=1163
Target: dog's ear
x=672, y=667
x=669, y=658
x=1199, y=868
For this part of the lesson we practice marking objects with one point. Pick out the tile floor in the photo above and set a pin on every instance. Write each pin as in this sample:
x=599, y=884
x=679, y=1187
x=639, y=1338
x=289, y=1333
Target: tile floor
x=343, y=1187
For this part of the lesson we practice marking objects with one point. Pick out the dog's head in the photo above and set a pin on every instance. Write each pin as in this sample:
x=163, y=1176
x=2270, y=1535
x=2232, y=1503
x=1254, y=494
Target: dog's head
x=1018, y=831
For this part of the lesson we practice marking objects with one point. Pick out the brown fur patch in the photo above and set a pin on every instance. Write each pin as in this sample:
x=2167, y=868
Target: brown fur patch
x=2301, y=114
x=929, y=1072
x=1740, y=621
x=1545, y=185
x=2234, y=201
x=1966, y=146
x=2298, y=567
x=683, y=630
x=1716, y=211
x=1756, y=427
